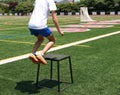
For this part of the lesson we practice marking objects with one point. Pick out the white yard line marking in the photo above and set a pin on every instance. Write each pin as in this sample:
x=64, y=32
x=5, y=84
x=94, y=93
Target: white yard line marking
x=83, y=41
x=59, y=47
x=12, y=28
x=19, y=42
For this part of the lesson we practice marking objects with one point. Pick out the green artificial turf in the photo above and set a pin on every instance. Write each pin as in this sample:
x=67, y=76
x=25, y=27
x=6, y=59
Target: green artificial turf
x=95, y=64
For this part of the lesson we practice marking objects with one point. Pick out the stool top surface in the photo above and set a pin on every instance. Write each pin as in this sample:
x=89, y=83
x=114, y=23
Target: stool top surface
x=56, y=57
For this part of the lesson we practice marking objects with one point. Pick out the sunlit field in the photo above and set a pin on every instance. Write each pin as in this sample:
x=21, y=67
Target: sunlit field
x=95, y=64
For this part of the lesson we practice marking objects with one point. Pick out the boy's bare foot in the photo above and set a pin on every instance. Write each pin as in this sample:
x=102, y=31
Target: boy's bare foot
x=41, y=58
x=33, y=58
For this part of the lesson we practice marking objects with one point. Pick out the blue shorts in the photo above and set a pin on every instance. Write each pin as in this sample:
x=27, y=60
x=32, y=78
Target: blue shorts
x=43, y=32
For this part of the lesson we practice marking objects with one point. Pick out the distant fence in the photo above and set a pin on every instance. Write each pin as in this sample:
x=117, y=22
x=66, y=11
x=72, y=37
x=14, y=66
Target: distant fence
x=64, y=13
x=104, y=13
x=14, y=14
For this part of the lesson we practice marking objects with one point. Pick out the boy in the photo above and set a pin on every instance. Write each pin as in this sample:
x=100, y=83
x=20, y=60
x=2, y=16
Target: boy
x=38, y=27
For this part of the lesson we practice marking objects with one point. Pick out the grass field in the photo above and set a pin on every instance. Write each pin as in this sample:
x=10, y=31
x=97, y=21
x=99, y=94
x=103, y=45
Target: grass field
x=95, y=64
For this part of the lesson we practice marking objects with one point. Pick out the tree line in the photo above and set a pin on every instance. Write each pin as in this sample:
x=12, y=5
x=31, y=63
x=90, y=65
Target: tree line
x=26, y=6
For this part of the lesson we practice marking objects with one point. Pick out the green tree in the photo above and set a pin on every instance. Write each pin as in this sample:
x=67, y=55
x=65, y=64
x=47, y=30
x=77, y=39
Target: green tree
x=4, y=8
x=88, y=3
x=109, y=4
x=100, y=6
x=24, y=7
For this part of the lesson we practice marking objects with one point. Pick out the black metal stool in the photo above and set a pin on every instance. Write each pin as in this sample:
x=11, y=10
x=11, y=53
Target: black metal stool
x=57, y=58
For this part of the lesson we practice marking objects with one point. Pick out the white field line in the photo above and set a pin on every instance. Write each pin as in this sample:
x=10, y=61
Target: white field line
x=19, y=42
x=4, y=61
x=12, y=28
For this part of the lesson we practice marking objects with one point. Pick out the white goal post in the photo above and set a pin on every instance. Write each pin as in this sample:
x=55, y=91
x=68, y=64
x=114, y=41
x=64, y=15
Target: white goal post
x=84, y=16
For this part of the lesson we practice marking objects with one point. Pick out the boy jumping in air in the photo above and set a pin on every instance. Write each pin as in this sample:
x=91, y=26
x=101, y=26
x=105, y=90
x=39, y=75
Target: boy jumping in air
x=38, y=27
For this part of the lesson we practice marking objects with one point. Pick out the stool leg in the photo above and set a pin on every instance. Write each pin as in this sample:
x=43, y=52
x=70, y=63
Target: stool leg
x=37, y=78
x=58, y=71
x=71, y=70
x=51, y=64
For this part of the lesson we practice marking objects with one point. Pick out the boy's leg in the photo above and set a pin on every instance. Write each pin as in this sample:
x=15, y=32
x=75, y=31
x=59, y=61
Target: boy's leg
x=51, y=42
x=35, y=48
x=38, y=43
x=38, y=57
x=46, y=48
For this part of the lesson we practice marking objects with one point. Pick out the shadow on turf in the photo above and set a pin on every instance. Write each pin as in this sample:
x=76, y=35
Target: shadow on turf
x=31, y=88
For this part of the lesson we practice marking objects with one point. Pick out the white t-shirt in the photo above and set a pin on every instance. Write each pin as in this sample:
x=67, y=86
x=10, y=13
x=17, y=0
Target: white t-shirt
x=40, y=13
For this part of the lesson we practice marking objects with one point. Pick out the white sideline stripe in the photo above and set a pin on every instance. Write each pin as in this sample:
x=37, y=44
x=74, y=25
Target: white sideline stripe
x=12, y=28
x=4, y=61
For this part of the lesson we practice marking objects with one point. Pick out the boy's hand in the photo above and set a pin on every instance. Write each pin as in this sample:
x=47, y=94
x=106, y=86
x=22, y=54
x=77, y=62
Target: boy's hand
x=62, y=33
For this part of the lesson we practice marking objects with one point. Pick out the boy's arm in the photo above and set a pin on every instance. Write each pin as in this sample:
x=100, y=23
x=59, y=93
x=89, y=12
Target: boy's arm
x=54, y=18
